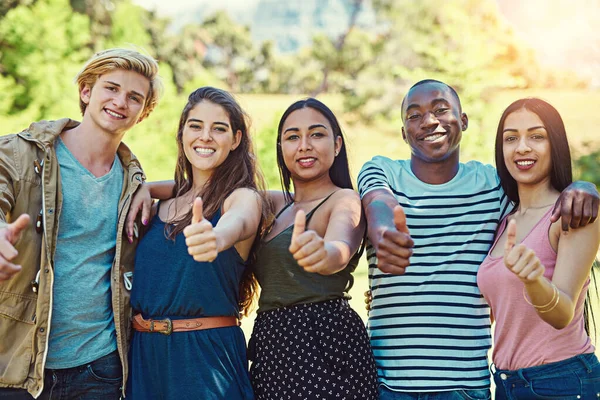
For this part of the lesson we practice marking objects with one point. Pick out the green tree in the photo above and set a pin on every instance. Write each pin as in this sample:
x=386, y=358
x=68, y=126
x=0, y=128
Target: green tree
x=587, y=167
x=43, y=46
x=232, y=49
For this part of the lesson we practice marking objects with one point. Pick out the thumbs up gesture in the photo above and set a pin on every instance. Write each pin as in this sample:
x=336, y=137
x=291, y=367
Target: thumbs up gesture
x=307, y=247
x=394, y=246
x=200, y=237
x=519, y=259
x=9, y=236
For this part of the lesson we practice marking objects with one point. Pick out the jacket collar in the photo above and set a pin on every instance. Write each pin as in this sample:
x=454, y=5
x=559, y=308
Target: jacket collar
x=46, y=132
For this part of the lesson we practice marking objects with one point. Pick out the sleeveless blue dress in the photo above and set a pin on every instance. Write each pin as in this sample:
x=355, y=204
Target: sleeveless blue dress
x=207, y=364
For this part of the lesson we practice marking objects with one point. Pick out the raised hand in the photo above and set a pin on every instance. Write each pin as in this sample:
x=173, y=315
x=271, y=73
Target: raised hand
x=307, y=247
x=200, y=237
x=395, y=246
x=519, y=259
x=9, y=236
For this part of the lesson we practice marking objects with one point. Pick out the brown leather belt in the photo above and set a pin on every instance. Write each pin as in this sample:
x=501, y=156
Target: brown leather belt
x=167, y=326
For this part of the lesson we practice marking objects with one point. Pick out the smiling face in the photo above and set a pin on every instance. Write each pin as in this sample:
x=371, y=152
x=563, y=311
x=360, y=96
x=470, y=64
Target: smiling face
x=116, y=101
x=308, y=144
x=208, y=138
x=433, y=122
x=526, y=148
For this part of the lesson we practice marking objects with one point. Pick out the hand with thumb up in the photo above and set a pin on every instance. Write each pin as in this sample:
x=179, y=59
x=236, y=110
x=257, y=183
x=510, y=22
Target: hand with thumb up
x=519, y=259
x=9, y=235
x=307, y=247
x=200, y=237
x=394, y=247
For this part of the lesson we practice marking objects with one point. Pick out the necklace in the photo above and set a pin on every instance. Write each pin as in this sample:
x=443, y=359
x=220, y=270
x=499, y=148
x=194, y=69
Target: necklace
x=524, y=210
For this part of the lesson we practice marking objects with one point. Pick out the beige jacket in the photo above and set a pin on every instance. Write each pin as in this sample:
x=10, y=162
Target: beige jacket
x=30, y=183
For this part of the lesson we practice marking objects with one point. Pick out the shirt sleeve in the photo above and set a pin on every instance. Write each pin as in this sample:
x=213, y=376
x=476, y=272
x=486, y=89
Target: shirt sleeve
x=8, y=173
x=372, y=176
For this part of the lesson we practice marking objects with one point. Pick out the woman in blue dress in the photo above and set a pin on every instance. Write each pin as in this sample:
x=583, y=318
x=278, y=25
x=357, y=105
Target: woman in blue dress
x=190, y=281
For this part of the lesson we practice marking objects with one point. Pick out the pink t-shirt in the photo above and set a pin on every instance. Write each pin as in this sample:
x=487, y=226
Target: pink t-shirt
x=521, y=338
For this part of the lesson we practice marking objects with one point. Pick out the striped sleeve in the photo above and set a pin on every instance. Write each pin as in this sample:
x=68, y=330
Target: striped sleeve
x=371, y=177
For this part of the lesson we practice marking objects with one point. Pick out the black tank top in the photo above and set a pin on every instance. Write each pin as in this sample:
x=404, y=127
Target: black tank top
x=284, y=283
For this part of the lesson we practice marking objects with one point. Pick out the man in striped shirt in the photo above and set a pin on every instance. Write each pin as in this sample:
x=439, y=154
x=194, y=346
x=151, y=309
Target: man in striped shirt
x=429, y=325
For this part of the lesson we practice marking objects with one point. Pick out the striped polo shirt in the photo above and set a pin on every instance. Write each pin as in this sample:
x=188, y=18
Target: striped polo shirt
x=430, y=328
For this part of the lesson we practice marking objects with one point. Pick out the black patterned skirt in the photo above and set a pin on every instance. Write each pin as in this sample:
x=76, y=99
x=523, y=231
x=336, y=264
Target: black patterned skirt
x=312, y=351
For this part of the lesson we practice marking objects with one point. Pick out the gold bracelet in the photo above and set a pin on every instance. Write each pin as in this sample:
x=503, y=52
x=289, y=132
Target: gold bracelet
x=553, y=307
x=554, y=294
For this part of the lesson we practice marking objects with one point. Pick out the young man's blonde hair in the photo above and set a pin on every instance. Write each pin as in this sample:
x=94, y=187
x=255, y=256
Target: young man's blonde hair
x=130, y=60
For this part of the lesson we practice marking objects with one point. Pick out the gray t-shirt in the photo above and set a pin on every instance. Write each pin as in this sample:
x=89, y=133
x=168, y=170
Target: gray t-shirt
x=82, y=325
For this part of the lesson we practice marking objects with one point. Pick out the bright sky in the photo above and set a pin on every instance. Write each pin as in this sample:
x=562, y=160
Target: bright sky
x=176, y=6
x=563, y=34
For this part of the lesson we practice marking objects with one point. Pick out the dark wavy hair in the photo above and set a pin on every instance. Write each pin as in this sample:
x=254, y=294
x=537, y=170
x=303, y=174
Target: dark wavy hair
x=561, y=174
x=239, y=170
x=339, y=172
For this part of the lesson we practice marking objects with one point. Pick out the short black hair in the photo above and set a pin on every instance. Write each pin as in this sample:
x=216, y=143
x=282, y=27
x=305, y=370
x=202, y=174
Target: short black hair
x=426, y=81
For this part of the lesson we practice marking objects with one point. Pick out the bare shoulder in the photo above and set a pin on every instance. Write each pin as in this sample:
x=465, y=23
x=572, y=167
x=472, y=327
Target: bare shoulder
x=588, y=235
x=344, y=199
x=277, y=198
x=242, y=196
x=345, y=195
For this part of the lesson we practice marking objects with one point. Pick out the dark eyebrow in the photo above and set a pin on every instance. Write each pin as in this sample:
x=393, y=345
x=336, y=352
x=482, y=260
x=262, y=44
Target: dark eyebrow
x=433, y=102
x=310, y=128
x=411, y=106
x=133, y=91
x=291, y=130
x=199, y=120
x=439, y=100
x=533, y=128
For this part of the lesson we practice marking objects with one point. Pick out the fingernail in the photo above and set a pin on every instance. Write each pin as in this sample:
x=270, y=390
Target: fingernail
x=145, y=221
x=130, y=239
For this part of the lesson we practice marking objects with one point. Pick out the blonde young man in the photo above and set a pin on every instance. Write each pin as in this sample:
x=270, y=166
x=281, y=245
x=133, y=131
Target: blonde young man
x=66, y=186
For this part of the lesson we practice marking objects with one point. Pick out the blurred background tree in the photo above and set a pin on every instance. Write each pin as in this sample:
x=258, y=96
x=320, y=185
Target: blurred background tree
x=362, y=69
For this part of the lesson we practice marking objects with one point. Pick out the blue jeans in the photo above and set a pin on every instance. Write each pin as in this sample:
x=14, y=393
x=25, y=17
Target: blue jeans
x=387, y=394
x=98, y=380
x=574, y=378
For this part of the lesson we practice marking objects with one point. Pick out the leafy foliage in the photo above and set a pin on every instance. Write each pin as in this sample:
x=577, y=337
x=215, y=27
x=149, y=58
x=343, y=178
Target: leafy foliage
x=43, y=43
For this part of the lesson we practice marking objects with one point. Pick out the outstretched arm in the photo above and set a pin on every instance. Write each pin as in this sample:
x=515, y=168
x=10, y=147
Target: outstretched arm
x=331, y=253
x=387, y=231
x=10, y=231
x=239, y=224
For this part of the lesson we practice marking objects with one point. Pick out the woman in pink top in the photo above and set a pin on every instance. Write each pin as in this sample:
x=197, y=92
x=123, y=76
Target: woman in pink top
x=536, y=276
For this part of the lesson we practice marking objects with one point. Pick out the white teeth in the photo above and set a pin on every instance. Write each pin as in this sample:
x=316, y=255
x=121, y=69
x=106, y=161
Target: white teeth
x=525, y=163
x=114, y=114
x=202, y=150
x=431, y=138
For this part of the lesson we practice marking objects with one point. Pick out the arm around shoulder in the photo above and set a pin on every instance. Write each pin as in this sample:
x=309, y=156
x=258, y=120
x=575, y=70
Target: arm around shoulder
x=331, y=253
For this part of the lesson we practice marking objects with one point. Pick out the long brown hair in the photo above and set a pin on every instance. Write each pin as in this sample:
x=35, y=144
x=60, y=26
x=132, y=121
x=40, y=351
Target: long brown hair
x=239, y=170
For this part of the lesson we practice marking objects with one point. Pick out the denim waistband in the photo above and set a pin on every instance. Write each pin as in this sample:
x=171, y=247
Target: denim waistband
x=587, y=361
